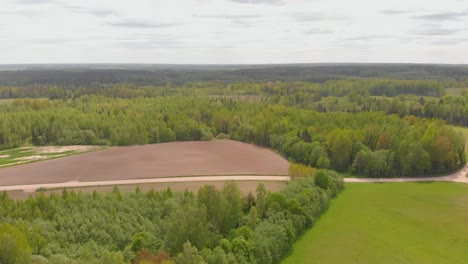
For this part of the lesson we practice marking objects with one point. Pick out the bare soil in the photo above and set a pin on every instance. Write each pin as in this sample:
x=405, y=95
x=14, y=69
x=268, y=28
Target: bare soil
x=220, y=157
x=29, y=158
x=61, y=149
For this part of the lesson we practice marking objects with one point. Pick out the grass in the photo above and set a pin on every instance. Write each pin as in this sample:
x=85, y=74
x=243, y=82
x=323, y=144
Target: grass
x=30, y=154
x=390, y=223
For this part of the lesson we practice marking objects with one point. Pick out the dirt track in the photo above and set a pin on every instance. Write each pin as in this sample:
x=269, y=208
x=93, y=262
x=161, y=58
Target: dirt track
x=455, y=177
x=162, y=163
x=34, y=187
x=458, y=176
x=220, y=157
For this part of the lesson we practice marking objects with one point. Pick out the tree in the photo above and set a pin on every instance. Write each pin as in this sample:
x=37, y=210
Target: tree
x=210, y=197
x=340, y=147
x=323, y=163
x=261, y=193
x=321, y=180
x=383, y=142
x=14, y=247
x=418, y=160
x=189, y=255
x=232, y=204
x=188, y=223
x=112, y=258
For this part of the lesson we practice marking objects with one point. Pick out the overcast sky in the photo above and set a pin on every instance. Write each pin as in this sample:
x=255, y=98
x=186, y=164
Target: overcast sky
x=233, y=31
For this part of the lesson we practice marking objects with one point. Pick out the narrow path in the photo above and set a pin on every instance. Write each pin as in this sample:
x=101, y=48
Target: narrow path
x=34, y=187
x=455, y=177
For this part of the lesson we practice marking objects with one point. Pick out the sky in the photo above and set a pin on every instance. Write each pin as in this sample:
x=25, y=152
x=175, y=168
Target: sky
x=233, y=31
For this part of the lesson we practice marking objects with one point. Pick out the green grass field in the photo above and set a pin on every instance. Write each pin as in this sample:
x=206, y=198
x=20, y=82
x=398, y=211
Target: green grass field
x=390, y=223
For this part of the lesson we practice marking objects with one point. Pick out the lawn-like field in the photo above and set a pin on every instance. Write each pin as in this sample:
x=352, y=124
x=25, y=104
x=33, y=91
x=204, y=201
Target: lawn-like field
x=390, y=223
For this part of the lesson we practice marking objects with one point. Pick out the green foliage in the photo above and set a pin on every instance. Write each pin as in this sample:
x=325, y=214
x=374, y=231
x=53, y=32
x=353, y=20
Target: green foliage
x=14, y=247
x=321, y=140
x=321, y=180
x=188, y=223
x=299, y=170
x=189, y=255
x=112, y=258
x=75, y=227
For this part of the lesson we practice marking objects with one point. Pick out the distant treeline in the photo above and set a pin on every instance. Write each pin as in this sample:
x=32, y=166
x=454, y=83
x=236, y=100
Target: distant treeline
x=212, y=226
x=180, y=75
x=376, y=87
x=389, y=96
x=367, y=143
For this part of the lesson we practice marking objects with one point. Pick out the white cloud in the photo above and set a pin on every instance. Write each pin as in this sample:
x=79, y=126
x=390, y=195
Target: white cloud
x=232, y=31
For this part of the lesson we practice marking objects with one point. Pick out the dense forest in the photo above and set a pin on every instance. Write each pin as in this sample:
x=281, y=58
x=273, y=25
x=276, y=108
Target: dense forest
x=370, y=144
x=85, y=75
x=211, y=226
x=402, y=97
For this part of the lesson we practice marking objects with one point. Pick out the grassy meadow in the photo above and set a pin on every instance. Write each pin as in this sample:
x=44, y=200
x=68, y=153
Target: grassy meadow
x=390, y=223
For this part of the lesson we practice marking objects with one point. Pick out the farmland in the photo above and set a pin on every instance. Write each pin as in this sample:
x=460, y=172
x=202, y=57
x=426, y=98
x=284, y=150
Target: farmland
x=390, y=223
x=220, y=157
x=30, y=154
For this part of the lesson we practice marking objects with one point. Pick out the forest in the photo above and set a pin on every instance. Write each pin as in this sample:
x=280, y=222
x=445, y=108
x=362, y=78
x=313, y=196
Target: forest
x=210, y=226
x=424, y=98
x=148, y=74
x=370, y=144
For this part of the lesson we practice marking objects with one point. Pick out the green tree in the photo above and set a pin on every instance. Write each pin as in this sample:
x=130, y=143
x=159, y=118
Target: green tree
x=189, y=255
x=340, y=147
x=210, y=197
x=232, y=204
x=418, y=159
x=112, y=258
x=14, y=247
x=261, y=193
x=188, y=223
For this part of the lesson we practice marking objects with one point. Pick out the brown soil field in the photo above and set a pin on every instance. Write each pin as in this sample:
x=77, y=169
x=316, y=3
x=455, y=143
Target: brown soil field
x=220, y=157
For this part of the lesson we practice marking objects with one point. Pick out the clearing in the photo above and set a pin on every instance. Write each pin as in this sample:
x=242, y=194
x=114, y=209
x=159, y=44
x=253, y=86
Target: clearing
x=29, y=154
x=390, y=223
x=219, y=157
x=456, y=91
